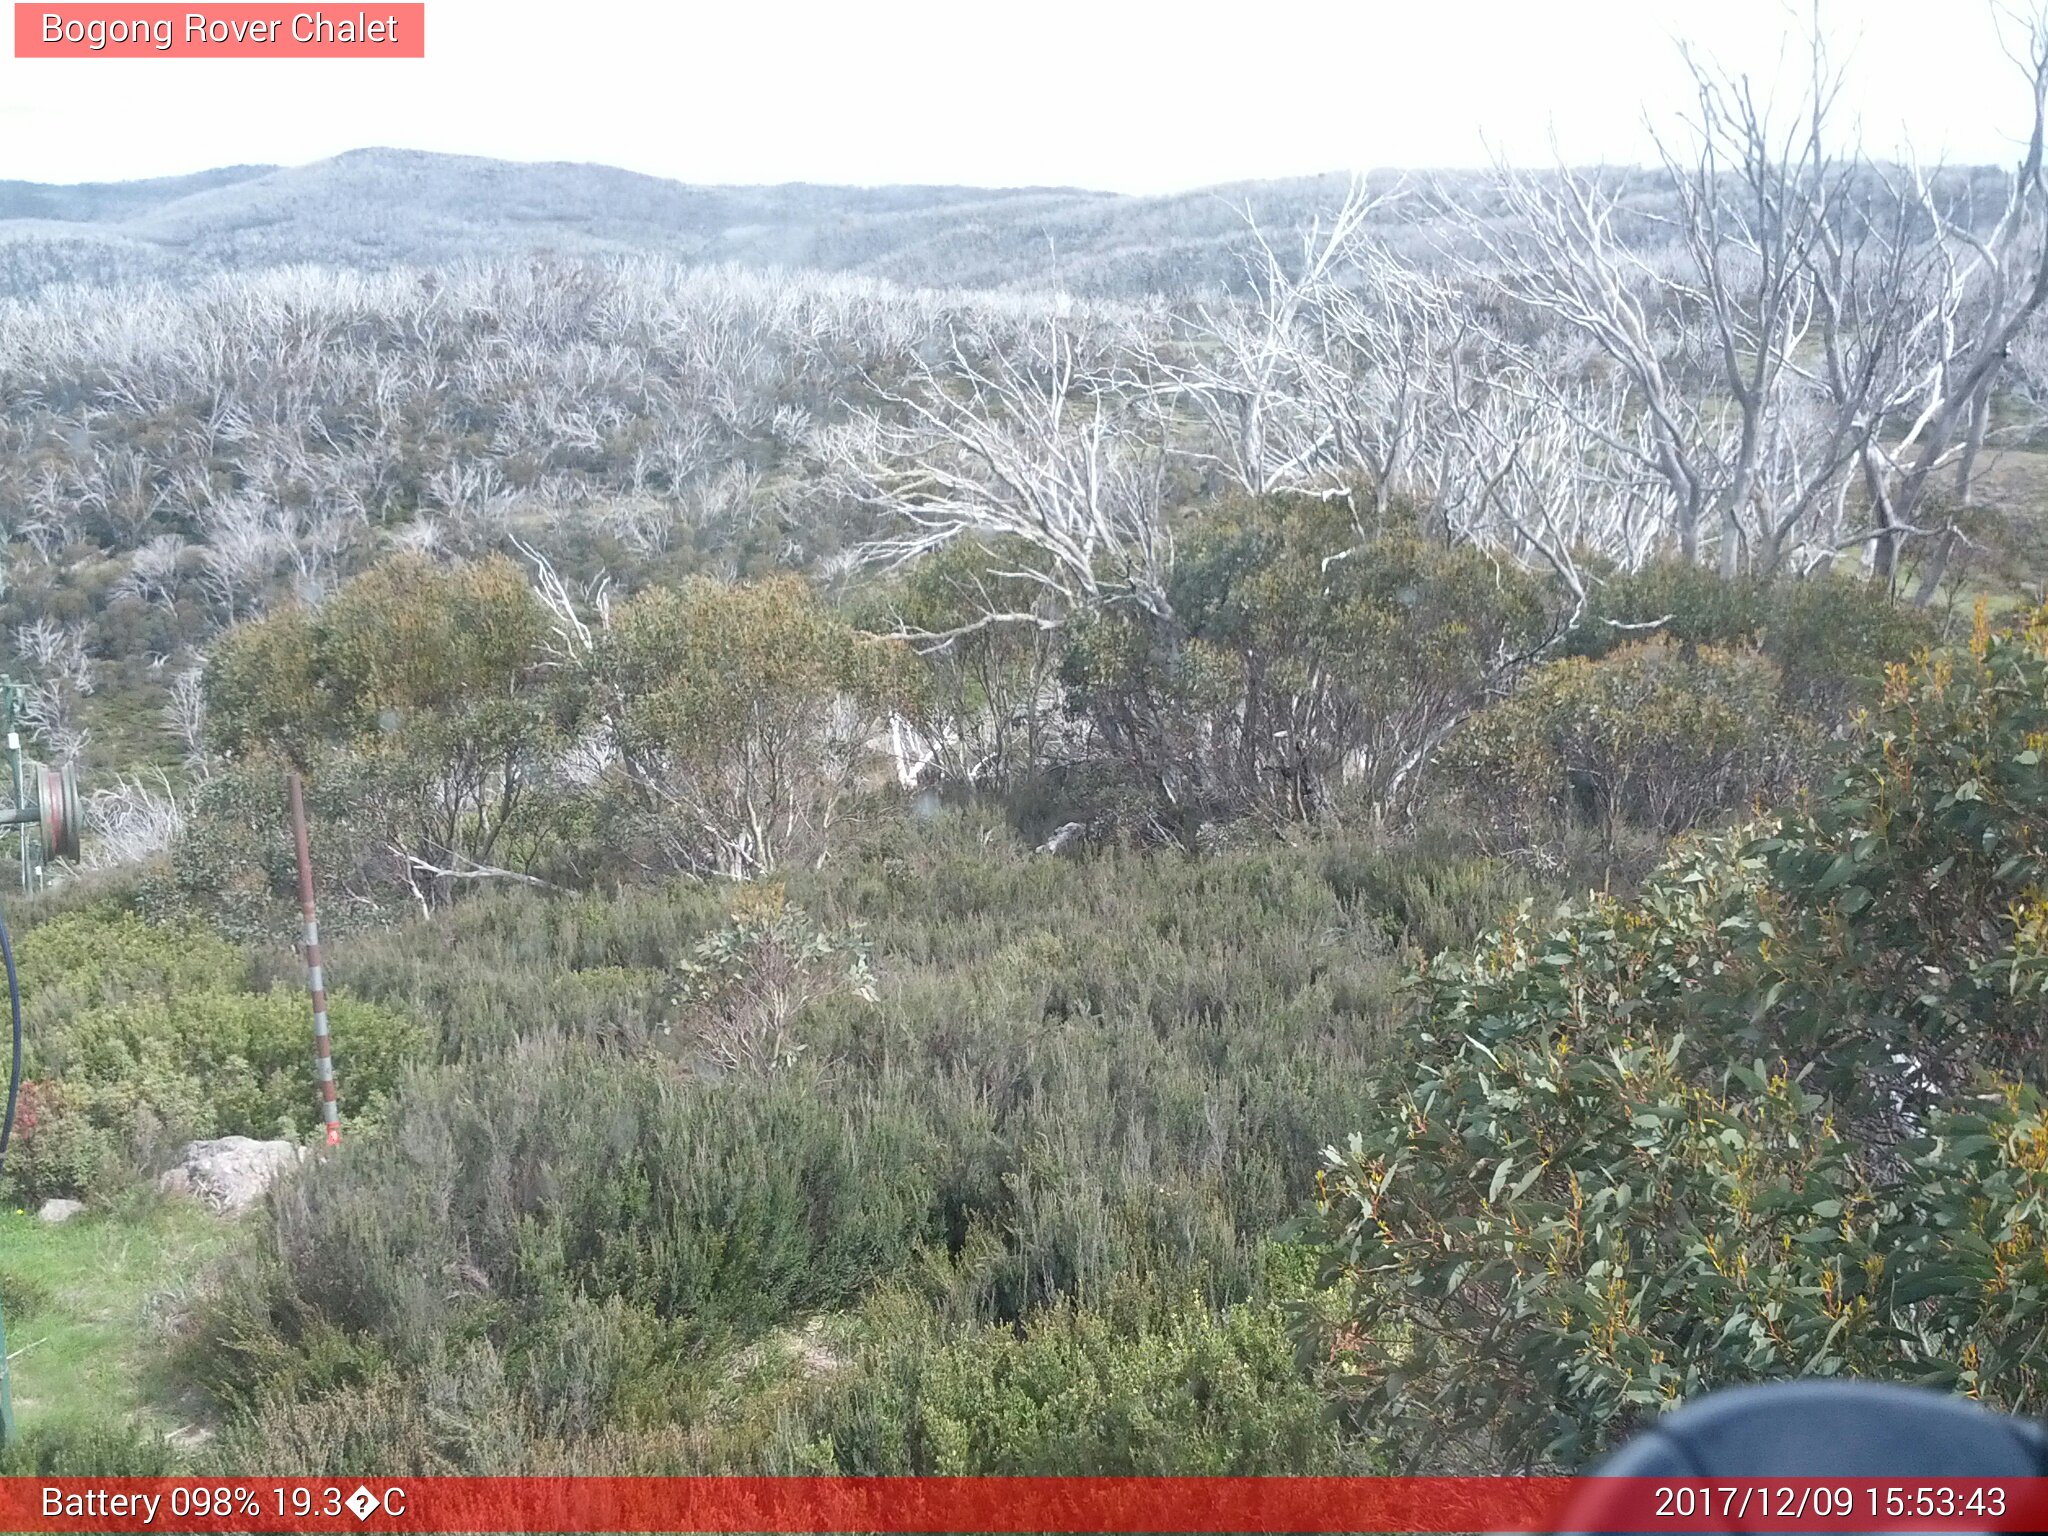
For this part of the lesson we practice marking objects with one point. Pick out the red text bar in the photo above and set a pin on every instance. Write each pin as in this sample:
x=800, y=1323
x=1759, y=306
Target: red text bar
x=1018, y=1504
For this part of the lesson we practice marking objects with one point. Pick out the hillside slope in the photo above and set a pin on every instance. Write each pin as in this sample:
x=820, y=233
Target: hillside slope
x=383, y=207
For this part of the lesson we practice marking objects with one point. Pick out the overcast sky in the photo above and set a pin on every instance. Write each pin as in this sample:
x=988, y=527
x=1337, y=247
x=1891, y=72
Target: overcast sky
x=1128, y=95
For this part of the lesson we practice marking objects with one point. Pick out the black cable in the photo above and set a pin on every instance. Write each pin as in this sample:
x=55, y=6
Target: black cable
x=14, y=1073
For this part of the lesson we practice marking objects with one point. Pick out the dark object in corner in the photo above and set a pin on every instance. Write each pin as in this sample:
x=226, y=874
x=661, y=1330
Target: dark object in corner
x=1826, y=1429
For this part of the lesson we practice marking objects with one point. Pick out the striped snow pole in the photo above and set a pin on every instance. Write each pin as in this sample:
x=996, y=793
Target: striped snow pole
x=316, y=983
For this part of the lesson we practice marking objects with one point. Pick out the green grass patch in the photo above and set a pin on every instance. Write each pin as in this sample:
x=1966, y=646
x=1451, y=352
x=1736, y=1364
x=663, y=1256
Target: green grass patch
x=87, y=1307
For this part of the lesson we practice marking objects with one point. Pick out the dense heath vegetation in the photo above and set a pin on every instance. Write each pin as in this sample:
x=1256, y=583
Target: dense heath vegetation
x=750, y=1111
x=1375, y=867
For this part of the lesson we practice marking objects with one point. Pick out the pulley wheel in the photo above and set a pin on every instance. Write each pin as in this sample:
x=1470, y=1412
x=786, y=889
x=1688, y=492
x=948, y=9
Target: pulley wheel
x=59, y=814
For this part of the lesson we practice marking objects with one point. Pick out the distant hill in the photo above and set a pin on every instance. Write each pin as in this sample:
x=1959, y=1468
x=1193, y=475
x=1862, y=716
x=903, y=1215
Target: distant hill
x=384, y=207
x=111, y=201
x=377, y=208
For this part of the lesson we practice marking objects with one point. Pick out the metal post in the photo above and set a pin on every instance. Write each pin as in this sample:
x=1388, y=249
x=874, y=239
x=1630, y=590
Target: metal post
x=6, y=1391
x=12, y=692
x=316, y=983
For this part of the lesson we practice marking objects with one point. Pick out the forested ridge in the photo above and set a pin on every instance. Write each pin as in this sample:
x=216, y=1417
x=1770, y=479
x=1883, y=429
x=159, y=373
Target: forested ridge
x=1386, y=829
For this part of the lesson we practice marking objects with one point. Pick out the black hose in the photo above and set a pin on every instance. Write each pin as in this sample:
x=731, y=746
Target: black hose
x=14, y=1073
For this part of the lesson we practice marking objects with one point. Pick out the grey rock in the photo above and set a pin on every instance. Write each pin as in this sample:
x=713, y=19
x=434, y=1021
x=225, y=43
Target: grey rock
x=1064, y=838
x=54, y=1211
x=229, y=1174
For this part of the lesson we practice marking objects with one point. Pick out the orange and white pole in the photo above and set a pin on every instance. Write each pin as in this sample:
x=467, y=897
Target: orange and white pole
x=316, y=982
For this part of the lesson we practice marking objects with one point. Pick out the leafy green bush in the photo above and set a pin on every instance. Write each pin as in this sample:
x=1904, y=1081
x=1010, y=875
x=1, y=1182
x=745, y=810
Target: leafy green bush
x=143, y=1037
x=1905, y=949
x=1650, y=735
x=1683, y=697
x=58, y=1151
x=988, y=705
x=1090, y=1070
x=1565, y=1219
x=1961, y=1252
x=1744, y=1128
x=1553, y=1240
x=741, y=987
x=405, y=644
x=1833, y=637
x=22, y=1295
x=1429, y=889
x=429, y=709
x=1830, y=636
x=743, y=717
x=98, y=1450
x=1681, y=600
x=1138, y=1388
x=1309, y=661
x=563, y=1170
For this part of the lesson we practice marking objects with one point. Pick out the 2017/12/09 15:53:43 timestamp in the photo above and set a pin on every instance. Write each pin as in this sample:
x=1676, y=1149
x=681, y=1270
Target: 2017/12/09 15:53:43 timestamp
x=1824, y=1503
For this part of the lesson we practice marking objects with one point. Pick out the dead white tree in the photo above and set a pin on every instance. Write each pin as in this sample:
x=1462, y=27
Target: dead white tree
x=50, y=712
x=1992, y=282
x=1252, y=372
x=184, y=716
x=1357, y=373
x=57, y=652
x=152, y=574
x=1547, y=471
x=1384, y=339
x=1818, y=328
x=130, y=821
x=1056, y=464
x=1561, y=255
x=243, y=547
x=574, y=638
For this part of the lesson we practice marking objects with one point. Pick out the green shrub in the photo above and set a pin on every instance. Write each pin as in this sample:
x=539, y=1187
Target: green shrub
x=740, y=988
x=234, y=867
x=562, y=1170
x=1830, y=636
x=1429, y=890
x=1091, y=1069
x=455, y=1415
x=1568, y=1222
x=405, y=643
x=988, y=704
x=743, y=718
x=421, y=702
x=1139, y=1388
x=1910, y=897
x=1962, y=1263
x=1650, y=735
x=507, y=966
x=142, y=1038
x=1565, y=1220
x=105, y=954
x=1759, y=1123
x=1308, y=660
x=58, y=1151
x=22, y=1296
x=94, y=1450
x=1682, y=600
x=1833, y=637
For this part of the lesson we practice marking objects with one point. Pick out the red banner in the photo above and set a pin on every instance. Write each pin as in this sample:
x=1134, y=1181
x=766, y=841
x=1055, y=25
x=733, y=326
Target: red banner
x=1019, y=1504
x=222, y=31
